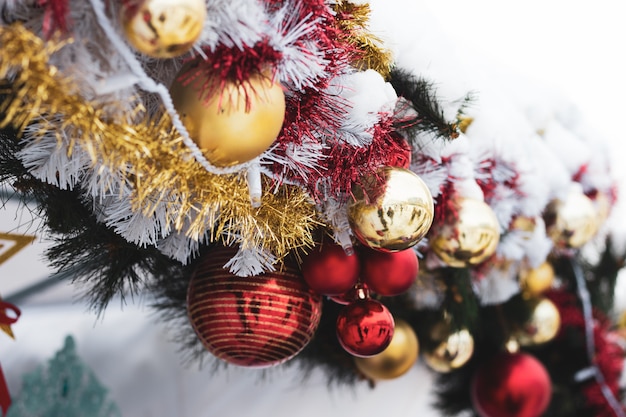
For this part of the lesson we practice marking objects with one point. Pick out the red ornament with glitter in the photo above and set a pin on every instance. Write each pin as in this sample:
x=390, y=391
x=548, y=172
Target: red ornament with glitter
x=511, y=385
x=388, y=273
x=328, y=270
x=365, y=326
x=257, y=321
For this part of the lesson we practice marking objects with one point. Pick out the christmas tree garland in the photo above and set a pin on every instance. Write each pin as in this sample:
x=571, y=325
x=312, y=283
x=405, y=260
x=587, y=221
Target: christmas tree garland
x=302, y=244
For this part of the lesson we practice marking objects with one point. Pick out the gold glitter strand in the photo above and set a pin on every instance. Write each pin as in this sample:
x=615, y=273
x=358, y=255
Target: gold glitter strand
x=354, y=20
x=25, y=77
x=149, y=156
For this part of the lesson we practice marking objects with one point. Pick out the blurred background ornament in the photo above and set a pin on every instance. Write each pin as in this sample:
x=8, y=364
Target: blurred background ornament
x=365, y=327
x=388, y=273
x=447, y=349
x=471, y=238
x=392, y=210
x=535, y=281
x=571, y=222
x=255, y=321
x=231, y=121
x=511, y=385
x=396, y=359
x=163, y=28
x=542, y=324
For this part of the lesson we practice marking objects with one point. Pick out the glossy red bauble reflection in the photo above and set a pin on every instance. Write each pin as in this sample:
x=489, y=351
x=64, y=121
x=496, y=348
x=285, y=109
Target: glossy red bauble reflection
x=364, y=327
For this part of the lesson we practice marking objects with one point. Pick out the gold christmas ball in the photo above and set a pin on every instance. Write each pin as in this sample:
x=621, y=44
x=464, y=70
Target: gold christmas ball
x=471, y=238
x=396, y=359
x=534, y=282
x=452, y=353
x=163, y=28
x=236, y=123
x=572, y=222
x=542, y=325
x=392, y=210
x=524, y=224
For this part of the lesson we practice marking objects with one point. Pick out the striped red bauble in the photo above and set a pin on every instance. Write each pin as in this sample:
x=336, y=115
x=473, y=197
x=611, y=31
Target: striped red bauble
x=256, y=321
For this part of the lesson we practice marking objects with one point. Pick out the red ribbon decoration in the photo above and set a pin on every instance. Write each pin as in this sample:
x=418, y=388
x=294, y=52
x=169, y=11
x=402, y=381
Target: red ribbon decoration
x=5, y=319
x=5, y=397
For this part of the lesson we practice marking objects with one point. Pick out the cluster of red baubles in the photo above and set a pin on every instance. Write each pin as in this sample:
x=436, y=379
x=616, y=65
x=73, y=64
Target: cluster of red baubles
x=364, y=326
x=330, y=270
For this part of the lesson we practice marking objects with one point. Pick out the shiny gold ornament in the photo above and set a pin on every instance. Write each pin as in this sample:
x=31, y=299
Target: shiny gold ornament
x=572, y=222
x=234, y=124
x=163, y=28
x=542, y=325
x=392, y=210
x=534, y=282
x=471, y=238
x=396, y=359
x=454, y=350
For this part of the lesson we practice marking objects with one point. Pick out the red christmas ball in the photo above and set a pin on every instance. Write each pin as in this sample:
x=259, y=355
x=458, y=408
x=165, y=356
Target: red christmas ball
x=364, y=327
x=256, y=321
x=389, y=273
x=329, y=270
x=511, y=385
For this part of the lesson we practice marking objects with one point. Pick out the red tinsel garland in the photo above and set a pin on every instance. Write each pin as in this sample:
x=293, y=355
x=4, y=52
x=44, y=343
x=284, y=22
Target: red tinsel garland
x=56, y=16
x=446, y=203
x=231, y=65
x=345, y=165
x=488, y=183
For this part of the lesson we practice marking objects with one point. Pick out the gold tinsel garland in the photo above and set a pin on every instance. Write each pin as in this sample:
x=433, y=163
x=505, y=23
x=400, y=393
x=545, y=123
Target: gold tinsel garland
x=354, y=19
x=149, y=155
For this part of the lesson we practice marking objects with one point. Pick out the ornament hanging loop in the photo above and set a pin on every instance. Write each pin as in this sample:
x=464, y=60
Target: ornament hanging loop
x=253, y=178
x=343, y=238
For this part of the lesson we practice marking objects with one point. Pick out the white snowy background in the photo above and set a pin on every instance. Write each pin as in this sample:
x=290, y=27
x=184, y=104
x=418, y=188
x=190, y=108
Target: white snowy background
x=575, y=47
